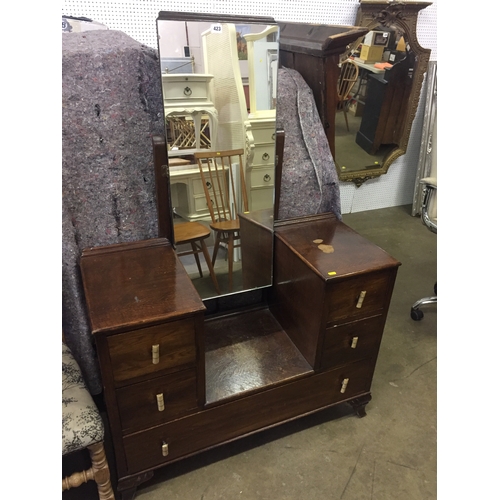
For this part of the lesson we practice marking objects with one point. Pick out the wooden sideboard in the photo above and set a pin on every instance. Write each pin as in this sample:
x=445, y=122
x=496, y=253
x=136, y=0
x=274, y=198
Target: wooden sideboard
x=179, y=380
x=314, y=51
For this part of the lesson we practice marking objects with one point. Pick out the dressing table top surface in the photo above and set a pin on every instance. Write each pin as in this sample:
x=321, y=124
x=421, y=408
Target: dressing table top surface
x=332, y=249
x=136, y=284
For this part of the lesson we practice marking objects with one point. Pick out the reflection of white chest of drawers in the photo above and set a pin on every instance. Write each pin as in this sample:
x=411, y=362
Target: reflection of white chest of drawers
x=260, y=173
x=186, y=94
x=188, y=196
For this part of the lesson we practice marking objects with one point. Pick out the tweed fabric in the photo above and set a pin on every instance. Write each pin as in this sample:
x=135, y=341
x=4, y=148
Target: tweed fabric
x=111, y=106
x=310, y=183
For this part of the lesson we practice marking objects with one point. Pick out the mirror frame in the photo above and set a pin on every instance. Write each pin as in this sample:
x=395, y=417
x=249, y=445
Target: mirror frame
x=160, y=146
x=373, y=13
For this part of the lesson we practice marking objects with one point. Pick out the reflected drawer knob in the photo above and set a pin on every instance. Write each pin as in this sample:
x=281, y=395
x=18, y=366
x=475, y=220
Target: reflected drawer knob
x=344, y=385
x=265, y=157
x=164, y=449
x=360, y=299
x=354, y=342
x=160, y=402
x=155, y=354
x=209, y=185
x=187, y=91
x=267, y=178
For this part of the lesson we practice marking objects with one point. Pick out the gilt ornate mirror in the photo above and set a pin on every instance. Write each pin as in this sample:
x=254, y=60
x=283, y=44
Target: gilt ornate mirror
x=219, y=83
x=375, y=127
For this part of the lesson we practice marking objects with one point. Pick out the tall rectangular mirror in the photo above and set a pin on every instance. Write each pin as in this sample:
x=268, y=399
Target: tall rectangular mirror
x=219, y=82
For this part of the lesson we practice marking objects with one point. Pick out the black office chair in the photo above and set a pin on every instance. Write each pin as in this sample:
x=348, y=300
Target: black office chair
x=429, y=218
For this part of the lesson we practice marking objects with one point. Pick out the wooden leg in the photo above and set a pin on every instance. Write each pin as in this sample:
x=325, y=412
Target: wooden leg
x=128, y=486
x=230, y=258
x=98, y=472
x=345, y=115
x=359, y=404
x=101, y=471
x=209, y=265
x=216, y=248
x=196, y=257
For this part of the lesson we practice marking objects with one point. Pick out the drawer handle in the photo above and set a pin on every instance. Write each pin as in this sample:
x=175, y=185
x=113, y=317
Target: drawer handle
x=273, y=137
x=155, y=354
x=344, y=385
x=265, y=157
x=164, y=449
x=267, y=178
x=187, y=91
x=160, y=402
x=354, y=342
x=360, y=299
x=209, y=185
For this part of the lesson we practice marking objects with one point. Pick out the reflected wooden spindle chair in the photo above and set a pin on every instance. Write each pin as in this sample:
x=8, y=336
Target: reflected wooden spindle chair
x=195, y=233
x=82, y=428
x=223, y=178
x=348, y=76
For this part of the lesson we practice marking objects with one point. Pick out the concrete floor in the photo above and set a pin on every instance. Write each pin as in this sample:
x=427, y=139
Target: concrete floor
x=389, y=454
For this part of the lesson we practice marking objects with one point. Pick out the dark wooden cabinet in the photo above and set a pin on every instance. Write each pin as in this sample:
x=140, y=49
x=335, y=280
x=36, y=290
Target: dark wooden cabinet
x=314, y=51
x=178, y=381
x=386, y=106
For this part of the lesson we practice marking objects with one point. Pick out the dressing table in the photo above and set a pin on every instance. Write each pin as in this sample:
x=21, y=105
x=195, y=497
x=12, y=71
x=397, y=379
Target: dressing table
x=182, y=375
x=178, y=381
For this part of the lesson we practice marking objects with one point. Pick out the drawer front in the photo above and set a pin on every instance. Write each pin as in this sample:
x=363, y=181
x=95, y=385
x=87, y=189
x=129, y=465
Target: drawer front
x=262, y=177
x=156, y=401
x=263, y=155
x=201, y=205
x=132, y=355
x=198, y=186
x=263, y=135
x=185, y=90
x=345, y=299
x=222, y=423
x=352, y=342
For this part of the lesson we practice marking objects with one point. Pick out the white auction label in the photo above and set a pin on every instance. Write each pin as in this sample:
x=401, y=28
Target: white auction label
x=217, y=28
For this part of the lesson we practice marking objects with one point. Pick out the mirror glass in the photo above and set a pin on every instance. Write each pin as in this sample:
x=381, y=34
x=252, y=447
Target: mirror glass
x=219, y=82
x=380, y=78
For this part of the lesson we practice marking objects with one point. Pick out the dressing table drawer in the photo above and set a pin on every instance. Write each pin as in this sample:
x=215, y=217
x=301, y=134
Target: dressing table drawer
x=263, y=155
x=222, y=423
x=351, y=342
x=156, y=401
x=153, y=350
x=358, y=297
x=262, y=177
x=185, y=87
x=263, y=135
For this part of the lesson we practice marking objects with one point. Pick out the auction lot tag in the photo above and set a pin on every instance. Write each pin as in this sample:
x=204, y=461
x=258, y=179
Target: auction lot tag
x=217, y=28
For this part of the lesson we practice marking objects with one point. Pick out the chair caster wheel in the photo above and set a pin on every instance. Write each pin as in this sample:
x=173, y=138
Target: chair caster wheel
x=416, y=314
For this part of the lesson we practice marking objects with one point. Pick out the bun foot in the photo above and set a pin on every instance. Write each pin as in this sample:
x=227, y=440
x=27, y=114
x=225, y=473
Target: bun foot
x=359, y=405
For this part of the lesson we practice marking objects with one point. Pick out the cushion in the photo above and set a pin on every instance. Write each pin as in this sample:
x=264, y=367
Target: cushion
x=81, y=423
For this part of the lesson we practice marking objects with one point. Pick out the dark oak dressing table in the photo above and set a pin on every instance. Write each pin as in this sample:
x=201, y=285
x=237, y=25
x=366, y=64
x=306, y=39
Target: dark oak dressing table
x=182, y=375
x=178, y=381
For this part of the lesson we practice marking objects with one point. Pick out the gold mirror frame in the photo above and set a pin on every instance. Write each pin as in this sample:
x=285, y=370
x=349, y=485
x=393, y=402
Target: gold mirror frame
x=402, y=15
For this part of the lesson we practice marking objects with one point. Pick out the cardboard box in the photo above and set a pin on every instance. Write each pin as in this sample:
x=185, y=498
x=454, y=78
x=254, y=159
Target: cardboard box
x=371, y=54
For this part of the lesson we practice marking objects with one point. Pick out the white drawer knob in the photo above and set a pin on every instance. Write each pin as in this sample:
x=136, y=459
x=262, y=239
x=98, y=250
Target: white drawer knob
x=155, y=354
x=160, y=402
x=354, y=342
x=164, y=449
x=360, y=299
x=344, y=385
